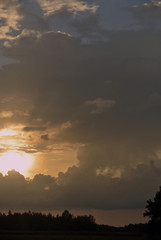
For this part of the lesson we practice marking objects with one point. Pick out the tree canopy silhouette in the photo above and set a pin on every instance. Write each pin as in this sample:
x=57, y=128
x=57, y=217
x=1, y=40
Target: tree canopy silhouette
x=38, y=221
x=153, y=211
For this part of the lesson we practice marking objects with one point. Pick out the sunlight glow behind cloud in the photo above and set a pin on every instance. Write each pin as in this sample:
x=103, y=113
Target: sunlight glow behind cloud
x=7, y=133
x=18, y=161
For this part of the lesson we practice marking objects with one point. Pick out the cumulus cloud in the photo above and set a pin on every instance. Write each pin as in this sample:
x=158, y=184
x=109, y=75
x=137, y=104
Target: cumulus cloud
x=52, y=6
x=17, y=15
x=10, y=18
x=75, y=189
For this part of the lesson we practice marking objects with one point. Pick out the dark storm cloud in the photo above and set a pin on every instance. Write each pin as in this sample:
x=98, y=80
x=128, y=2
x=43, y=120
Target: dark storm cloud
x=61, y=77
x=77, y=189
x=105, y=97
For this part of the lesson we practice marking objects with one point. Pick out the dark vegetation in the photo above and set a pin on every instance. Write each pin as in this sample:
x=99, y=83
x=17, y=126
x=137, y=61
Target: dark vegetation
x=41, y=222
x=65, y=223
x=153, y=211
x=79, y=227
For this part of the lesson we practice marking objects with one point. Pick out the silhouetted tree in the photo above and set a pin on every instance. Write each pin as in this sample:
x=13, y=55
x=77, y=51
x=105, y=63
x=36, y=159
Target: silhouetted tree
x=153, y=211
x=66, y=215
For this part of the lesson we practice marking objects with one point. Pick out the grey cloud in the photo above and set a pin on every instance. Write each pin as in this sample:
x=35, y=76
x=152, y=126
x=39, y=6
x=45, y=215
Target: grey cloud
x=58, y=85
x=33, y=128
x=89, y=28
x=32, y=19
x=150, y=9
x=78, y=190
x=10, y=22
x=17, y=15
x=148, y=14
x=58, y=74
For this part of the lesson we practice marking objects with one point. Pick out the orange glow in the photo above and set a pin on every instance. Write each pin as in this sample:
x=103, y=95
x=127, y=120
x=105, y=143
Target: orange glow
x=7, y=132
x=19, y=161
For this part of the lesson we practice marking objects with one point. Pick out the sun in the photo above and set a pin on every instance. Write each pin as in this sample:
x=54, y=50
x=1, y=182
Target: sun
x=19, y=161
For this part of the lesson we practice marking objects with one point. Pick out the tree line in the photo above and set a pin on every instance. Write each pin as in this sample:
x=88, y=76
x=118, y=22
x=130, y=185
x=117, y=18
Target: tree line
x=67, y=222
x=46, y=222
x=37, y=221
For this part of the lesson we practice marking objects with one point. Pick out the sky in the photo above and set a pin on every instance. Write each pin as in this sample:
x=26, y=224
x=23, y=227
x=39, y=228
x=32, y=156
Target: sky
x=80, y=106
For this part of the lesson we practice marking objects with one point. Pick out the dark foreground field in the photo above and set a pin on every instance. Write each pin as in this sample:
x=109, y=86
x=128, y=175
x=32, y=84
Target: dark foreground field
x=69, y=236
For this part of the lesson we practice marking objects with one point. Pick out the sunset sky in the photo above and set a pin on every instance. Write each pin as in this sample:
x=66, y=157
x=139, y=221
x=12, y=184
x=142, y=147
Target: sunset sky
x=80, y=106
